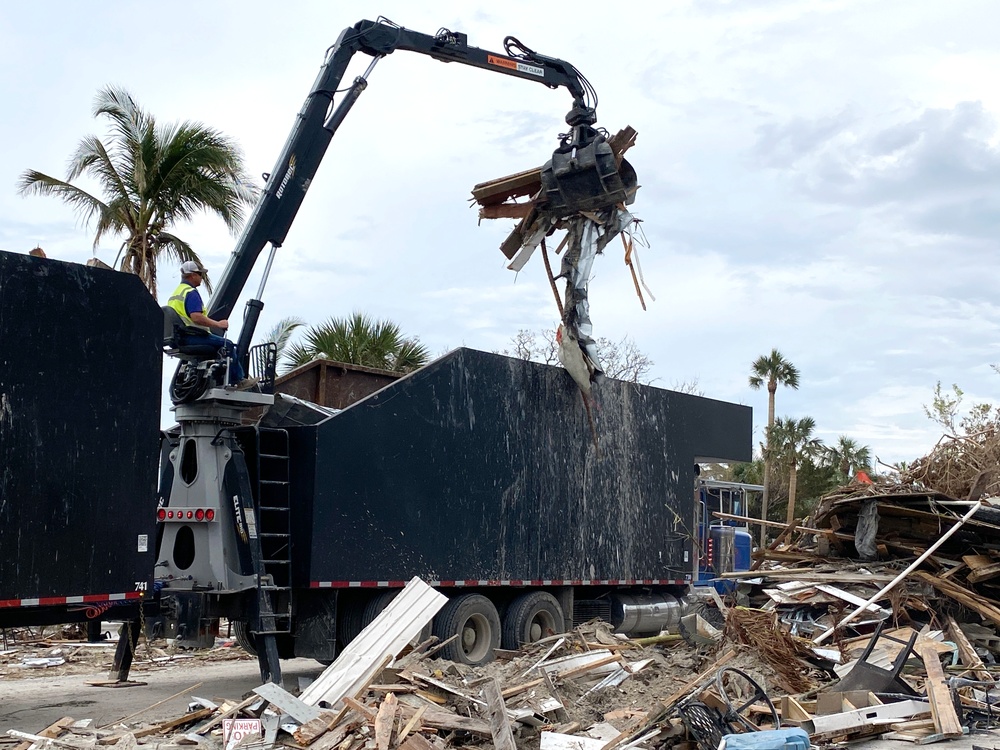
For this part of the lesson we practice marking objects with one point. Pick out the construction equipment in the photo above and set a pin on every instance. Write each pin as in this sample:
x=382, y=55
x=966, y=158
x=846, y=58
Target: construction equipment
x=582, y=174
x=476, y=473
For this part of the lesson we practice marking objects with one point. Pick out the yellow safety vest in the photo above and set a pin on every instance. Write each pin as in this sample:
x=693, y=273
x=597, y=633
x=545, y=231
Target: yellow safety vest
x=176, y=302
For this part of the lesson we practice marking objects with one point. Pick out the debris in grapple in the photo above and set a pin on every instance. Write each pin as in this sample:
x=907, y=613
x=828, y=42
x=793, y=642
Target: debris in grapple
x=582, y=190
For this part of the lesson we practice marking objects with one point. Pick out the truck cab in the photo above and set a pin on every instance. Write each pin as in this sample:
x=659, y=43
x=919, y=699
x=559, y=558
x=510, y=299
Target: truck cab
x=724, y=544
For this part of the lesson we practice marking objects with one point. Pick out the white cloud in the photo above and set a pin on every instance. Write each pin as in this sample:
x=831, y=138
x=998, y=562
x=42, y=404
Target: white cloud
x=819, y=177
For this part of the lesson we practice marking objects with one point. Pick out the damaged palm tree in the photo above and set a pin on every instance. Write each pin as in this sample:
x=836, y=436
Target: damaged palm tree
x=583, y=190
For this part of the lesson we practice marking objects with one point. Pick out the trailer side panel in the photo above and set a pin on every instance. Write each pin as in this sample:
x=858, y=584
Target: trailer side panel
x=80, y=371
x=482, y=468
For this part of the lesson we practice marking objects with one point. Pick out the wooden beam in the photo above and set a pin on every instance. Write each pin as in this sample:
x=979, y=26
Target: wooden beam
x=501, y=189
x=385, y=720
x=202, y=713
x=943, y=712
x=505, y=211
x=966, y=651
x=503, y=737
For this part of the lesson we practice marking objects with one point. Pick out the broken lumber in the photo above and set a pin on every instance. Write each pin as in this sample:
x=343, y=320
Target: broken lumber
x=503, y=737
x=201, y=713
x=50, y=732
x=942, y=707
x=966, y=651
x=909, y=570
x=385, y=721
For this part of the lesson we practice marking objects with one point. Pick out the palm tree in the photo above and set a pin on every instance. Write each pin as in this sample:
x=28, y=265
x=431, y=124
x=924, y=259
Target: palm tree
x=772, y=370
x=848, y=457
x=359, y=340
x=791, y=442
x=152, y=177
x=282, y=332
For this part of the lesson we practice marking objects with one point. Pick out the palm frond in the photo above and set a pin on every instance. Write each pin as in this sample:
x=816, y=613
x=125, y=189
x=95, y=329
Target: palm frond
x=153, y=177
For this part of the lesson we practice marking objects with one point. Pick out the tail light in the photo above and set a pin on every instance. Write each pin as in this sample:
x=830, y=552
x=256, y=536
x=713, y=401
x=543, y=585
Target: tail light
x=192, y=514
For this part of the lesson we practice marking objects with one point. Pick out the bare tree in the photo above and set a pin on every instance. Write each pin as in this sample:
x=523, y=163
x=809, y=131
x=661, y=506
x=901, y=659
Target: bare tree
x=622, y=360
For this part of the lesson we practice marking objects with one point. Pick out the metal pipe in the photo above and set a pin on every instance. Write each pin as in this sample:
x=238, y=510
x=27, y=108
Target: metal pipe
x=267, y=271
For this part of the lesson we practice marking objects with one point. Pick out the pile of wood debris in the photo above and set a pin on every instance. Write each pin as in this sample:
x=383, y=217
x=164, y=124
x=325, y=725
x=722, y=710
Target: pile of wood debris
x=68, y=653
x=901, y=644
x=920, y=568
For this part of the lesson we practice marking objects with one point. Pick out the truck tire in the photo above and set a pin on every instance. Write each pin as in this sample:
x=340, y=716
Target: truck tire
x=358, y=615
x=246, y=640
x=349, y=615
x=530, y=618
x=475, y=620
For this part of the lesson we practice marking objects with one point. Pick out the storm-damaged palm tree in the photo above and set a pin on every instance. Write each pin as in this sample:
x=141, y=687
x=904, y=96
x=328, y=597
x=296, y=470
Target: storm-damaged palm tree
x=792, y=442
x=359, y=340
x=151, y=177
x=771, y=370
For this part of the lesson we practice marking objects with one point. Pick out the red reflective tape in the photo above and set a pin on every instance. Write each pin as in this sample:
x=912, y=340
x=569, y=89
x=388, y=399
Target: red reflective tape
x=48, y=601
x=469, y=582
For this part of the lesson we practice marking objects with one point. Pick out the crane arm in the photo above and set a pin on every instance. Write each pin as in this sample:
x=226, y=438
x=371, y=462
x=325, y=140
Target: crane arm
x=318, y=120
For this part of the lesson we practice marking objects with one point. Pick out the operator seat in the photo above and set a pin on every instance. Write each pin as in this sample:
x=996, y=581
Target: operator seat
x=173, y=326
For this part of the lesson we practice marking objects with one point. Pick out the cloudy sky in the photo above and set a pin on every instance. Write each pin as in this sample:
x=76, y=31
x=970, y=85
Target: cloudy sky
x=821, y=177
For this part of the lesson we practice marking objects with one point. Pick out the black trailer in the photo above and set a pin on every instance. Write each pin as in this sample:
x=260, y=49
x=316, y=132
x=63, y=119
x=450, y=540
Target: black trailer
x=478, y=473
x=80, y=366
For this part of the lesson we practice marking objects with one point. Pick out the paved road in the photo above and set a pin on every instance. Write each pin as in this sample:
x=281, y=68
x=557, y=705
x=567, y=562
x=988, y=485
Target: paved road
x=32, y=704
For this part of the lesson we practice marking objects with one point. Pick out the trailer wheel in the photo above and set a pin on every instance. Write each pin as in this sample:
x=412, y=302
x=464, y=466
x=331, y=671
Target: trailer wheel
x=358, y=615
x=530, y=618
x=246, y=640
x=474, y=619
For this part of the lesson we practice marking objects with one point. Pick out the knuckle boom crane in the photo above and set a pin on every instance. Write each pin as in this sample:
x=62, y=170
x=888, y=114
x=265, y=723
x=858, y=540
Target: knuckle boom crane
x=282, y=525
x=581, y=176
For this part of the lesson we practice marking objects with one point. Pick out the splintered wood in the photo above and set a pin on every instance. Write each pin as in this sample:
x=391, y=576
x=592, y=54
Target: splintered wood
x=513, y=196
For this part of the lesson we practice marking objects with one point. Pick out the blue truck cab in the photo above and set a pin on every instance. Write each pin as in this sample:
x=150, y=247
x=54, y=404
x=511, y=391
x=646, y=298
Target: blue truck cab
x=724, y=544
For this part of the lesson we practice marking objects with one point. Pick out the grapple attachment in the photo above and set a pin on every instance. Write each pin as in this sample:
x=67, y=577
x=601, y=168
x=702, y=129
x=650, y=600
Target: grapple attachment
x=584, y=174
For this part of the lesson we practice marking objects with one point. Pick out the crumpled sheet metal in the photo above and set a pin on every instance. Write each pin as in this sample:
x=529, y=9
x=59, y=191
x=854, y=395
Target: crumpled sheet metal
x=589, y=233
x=587, y=239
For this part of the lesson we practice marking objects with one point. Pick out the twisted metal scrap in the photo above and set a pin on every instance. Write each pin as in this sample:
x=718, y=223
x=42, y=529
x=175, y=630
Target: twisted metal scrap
x=771, y=644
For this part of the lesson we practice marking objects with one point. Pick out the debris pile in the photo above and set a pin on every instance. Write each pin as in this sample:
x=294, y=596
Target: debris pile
x=814, y=645
x=68, y=653
x=590, y=223
x=873, y=591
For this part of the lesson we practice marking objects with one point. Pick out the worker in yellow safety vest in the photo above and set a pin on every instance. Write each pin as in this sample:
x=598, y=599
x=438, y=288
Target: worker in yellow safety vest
x=186, y=301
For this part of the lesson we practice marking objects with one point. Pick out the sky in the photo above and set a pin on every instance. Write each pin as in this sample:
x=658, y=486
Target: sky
x=818, y=177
